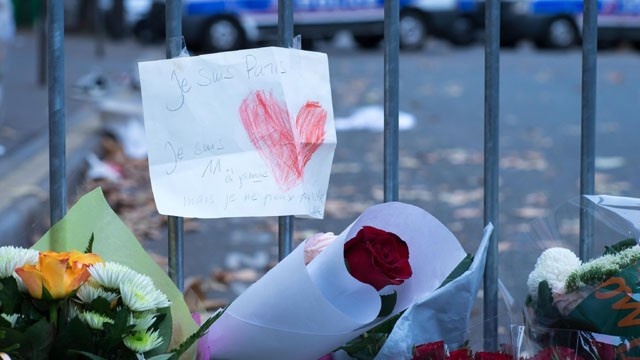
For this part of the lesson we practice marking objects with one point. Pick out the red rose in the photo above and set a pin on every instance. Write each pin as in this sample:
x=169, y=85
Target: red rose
x=430, y=351
x=377, y=257
x=557, y=353
x=605, y=351
x=484, y=355
x=460, y=354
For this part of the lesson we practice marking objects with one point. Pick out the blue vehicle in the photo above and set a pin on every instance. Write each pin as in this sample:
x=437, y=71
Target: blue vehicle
x=222, y=25
x=558, y=23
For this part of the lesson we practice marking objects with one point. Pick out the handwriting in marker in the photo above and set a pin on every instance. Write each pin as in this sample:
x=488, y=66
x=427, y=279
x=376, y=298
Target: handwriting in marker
x=285, y=146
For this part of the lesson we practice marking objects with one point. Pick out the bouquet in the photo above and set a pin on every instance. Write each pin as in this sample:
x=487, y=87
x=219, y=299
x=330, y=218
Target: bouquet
x=333, y=288
x=88, y=289
x=589, y=308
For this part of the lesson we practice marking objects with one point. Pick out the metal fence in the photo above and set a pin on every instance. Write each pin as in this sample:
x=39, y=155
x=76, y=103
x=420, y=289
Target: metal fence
x=57, y=161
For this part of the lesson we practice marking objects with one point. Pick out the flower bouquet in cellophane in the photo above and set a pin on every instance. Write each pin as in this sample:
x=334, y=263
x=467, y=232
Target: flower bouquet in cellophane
x=333, y=288
x=571, y=308
x=88, y=289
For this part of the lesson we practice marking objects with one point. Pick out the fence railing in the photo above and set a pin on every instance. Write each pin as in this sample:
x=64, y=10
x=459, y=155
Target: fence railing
x=57, y=163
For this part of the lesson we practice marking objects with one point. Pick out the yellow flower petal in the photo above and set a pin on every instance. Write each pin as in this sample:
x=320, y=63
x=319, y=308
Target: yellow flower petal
x=32, y=279
x=60, y=273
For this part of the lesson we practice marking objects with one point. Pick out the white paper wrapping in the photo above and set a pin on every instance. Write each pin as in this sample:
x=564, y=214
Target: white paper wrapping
x=440, y=315
x=299, y=312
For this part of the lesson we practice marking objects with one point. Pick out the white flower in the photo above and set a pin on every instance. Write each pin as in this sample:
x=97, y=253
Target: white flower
x=91, y=290
x=142, y=321
x=110, y=274
x=554, y=265
x=143, y=341
x=12, y=257
x=139, y=294
x=94, y=320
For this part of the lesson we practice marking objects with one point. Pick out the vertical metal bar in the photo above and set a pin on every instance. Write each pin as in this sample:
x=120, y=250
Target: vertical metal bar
x=285, y=23
x=587, y=143
x=176, y=251
x=285, y=39
x=285, y=236
x=173, y=42
x=98, y=19
x=491, y=168
x=391, y=97
x=55, y=83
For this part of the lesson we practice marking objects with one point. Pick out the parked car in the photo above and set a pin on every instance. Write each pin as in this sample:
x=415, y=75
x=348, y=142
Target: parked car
x=118, y=16
x=558, y=23
x=222, y=25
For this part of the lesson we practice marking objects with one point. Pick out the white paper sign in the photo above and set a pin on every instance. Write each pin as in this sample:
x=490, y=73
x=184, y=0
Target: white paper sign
x=242, y=133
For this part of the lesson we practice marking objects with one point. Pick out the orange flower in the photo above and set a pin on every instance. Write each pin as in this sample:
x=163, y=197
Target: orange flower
x=60, y=273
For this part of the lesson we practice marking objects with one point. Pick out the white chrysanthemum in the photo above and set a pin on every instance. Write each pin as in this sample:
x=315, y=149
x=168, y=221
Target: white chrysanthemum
x=554, y=265
x=11, y=318
x=74, y=310
x=12, y=257
x=94, y=320
x=110, y=274
x=142, y=321
x=139, y=296
x=143, y=341
x=91, y=290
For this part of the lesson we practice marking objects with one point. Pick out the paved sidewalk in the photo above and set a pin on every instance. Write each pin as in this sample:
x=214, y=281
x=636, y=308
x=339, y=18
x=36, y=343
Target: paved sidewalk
x=24, y=166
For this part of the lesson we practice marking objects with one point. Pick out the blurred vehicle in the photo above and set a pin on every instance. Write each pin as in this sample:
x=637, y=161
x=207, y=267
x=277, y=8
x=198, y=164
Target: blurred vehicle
x=222, y=25
x=150, y=28
x=558, y=23
x=119, y=17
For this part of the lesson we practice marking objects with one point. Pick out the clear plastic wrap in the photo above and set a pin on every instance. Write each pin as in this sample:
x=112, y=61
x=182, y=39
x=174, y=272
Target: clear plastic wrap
x=569, y=308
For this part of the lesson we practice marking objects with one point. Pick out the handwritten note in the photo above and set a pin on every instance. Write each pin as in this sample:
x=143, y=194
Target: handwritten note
x=242, y=133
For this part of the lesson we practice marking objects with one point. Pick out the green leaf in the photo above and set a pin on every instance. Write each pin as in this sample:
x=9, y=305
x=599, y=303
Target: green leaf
x=113, y=333
x=101, y=306
x=39, y=338
x=546, y=312
x=163, y=323
x=11, y=341
x=88, y=354
x=161, y=357
x=620, y=246
x=10, y=296
x=75, y=336
x=388, y=303
x=365, y=346
x=89, y=248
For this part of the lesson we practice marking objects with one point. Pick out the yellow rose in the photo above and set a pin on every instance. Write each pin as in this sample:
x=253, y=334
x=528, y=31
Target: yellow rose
x=60, y=273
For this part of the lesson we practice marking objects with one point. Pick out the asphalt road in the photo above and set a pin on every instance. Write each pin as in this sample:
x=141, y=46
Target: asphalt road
x=441, y=153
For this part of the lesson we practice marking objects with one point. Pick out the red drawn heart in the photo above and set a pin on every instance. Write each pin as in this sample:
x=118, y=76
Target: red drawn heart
x=286, y=147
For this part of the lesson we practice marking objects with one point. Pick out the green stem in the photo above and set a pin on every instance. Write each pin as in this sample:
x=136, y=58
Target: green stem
x=53, y=314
